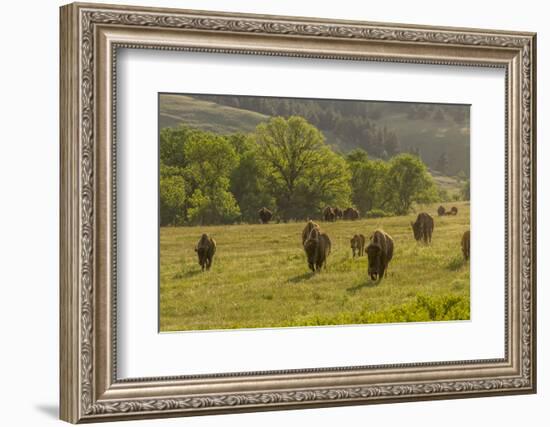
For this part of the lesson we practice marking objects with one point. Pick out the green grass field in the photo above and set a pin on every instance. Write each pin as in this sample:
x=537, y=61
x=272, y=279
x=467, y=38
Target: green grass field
x=260, y=277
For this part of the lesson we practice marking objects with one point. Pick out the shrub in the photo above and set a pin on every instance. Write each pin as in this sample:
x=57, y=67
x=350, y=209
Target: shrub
x=378, y=213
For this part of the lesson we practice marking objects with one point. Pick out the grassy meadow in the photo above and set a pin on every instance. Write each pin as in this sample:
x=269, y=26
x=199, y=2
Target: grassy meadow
x=260, y=277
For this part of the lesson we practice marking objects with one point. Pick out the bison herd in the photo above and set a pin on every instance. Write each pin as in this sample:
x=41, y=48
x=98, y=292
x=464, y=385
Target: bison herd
x=317, y=244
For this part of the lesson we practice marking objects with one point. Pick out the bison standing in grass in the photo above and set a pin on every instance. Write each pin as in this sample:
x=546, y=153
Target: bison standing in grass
x=358, y=245
x=328, y=214
x=205, y=249
x=441, y=211
x=465, y=243
x=423, y=227
x=317, y=248
x=380, y=253
x=351, y=213
x=454, y=210
x=307, y=230
x=265, y=215
x=338, y=212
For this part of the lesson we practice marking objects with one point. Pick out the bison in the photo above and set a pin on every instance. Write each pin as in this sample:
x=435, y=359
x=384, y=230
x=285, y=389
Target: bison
x=454, y=210
x=423, y=227
x=351, y=213
x=380, y=253
x=307, y=230
x=440, y=211
x=265, y=215
x=357, y=243
x=328, y=214
x=338, y=212
x=465, y=243
x=317, y=248
x=205, y=249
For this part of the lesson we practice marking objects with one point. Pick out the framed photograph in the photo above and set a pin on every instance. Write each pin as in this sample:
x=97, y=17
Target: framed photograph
x=265, y=212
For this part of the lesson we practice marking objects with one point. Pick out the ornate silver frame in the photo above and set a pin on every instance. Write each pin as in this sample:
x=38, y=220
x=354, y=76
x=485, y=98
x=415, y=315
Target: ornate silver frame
x=90, y=36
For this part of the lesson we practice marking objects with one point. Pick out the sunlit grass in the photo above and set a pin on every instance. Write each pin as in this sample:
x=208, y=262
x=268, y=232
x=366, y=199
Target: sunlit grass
x=260, y=278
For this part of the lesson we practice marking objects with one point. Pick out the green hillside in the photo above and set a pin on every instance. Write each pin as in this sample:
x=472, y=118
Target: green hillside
x=206, y=115
x=383, y=129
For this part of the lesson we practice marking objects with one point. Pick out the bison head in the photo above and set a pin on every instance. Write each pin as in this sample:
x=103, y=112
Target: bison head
x=376, y=266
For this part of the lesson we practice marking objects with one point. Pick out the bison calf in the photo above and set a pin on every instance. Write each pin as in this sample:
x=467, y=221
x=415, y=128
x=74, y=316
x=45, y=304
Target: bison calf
x=465, y=243
x=205, y=249
x=423, y=227
x=357, y=243
x=380, y=253
x=317, y=248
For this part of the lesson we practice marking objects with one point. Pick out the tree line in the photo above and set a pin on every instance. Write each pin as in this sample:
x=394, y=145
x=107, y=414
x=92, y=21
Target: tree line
x=285, y=165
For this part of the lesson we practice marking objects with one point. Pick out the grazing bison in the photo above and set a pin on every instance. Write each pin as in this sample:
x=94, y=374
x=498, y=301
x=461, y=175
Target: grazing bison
x=454, y=210
x=351, y=213
x=380, y=253
x=465, y=243
x=358, y=245
x=307, y=230
x=317, y=248
x=440, y=211
x=265, y=215
x=338, y=212
x=328, y=214
x=205, y=249
x=423, y=227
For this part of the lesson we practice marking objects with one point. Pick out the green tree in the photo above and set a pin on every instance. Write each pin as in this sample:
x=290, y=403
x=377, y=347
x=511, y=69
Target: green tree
x=367, y=181
x=248, y=179
x=172, y=144
x=172, y=199
x=290, y=149
x=218, y=206
x=210, y=161
x=408, y=181
x=328, y=184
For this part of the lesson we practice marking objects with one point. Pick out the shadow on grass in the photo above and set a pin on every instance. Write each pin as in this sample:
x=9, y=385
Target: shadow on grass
x=368, y=283
x=301, y=277
x=187, y=274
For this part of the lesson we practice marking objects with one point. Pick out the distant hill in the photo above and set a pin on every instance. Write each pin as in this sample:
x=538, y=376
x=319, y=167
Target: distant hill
x=382, y=129
x=206, y=115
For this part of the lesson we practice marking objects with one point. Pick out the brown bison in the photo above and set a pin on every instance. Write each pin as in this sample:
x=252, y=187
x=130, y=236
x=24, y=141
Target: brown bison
x=328, y=214
x=351, y=213
x=265, y=215
x=307, y=230
x=454, y=210
x=317, y=248
x=423, y=227
x=440, y=211
x=357, y=243
x=465, y=243
x=380, y=253
x=205, y=249
x=338, y=212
